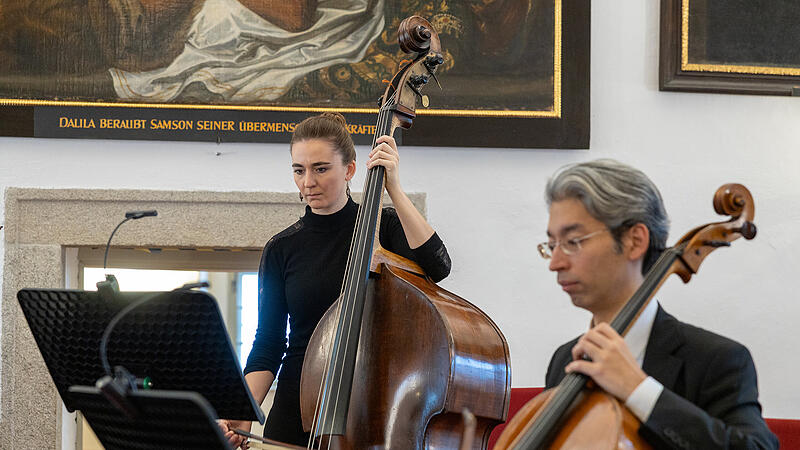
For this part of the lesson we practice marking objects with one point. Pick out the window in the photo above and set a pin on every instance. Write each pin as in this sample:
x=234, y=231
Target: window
x=247, y=303
x=141, y=280
x=247, y=307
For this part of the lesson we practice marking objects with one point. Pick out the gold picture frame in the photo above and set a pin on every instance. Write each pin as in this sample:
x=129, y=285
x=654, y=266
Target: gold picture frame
x=517, y=76
x=736, y=46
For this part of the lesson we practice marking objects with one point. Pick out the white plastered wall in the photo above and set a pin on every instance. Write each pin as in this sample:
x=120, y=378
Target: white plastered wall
x=487, y=203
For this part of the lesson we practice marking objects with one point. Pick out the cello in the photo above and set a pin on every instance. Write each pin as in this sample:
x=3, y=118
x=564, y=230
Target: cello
x=396, y=359
x=577, y=414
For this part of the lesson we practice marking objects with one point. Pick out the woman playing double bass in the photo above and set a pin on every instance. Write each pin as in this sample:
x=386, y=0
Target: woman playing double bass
x=302, y=267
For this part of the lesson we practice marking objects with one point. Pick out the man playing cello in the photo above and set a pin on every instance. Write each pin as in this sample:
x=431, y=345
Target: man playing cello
x=690, y=388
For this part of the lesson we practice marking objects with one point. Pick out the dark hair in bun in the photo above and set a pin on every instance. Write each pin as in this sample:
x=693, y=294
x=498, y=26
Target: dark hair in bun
x=329, y=126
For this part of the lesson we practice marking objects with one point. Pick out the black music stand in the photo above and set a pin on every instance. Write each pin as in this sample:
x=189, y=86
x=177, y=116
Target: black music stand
x=164, y=420
x=176, y=338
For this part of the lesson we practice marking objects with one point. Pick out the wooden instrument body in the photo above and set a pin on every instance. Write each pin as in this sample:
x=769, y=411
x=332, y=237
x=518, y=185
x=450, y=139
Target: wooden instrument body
x=598, y=421
x=424, y=354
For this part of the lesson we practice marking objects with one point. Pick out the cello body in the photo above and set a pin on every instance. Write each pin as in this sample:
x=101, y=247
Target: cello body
x=425, y=355
x=598, y=421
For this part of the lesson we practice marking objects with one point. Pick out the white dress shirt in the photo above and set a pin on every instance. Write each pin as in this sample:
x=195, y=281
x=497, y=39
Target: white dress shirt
x=644, y=397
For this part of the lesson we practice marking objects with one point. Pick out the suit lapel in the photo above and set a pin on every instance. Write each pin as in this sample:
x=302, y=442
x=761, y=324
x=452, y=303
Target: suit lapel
x=660, y=361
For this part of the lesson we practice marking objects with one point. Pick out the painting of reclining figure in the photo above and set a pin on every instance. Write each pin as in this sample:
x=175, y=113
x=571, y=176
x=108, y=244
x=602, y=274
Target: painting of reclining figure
x=499, y=53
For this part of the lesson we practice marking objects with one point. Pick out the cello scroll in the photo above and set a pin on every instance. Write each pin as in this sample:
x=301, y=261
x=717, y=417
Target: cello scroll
x=730, y=199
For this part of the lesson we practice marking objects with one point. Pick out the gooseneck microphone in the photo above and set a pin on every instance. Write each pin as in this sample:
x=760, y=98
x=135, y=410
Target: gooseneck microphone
x=116, y=385
x=130, y=215
x=139, y=214
x=110, y=285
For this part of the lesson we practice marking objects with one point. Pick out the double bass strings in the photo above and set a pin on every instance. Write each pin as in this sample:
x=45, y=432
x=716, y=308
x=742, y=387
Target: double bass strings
x=347, y=294
x=370, y=208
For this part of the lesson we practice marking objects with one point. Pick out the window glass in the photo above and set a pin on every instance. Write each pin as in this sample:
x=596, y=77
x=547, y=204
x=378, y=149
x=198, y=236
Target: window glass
x=140, y=280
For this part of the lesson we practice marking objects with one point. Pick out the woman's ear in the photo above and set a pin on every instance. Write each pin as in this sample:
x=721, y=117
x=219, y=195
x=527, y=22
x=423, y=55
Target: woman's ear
x=350, y=170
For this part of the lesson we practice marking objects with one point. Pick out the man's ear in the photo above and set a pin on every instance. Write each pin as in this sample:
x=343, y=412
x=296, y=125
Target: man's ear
x=637, y=241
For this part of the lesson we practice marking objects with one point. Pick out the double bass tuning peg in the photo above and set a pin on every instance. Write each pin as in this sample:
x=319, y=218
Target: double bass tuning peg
x=414, y=82
x=418, y=80
x=432, y=61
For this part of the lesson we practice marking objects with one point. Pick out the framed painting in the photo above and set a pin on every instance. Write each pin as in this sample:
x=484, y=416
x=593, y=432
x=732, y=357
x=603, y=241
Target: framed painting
x=516, y=72
x=730, y=46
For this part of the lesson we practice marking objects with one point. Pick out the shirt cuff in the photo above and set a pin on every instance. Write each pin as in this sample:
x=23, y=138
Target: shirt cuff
x=643, y=399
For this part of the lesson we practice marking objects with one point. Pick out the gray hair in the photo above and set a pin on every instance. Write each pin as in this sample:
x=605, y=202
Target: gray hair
x=617, y=195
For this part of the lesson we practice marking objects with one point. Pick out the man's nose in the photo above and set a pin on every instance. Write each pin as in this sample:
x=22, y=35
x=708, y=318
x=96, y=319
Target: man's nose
x=558, y=259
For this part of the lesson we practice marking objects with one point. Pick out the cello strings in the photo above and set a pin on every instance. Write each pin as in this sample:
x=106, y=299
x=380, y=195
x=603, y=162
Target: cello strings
x=373, y=186
x=566, y=394
x=321, y=411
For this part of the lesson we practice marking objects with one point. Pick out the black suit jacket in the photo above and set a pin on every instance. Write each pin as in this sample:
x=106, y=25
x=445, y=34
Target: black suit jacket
x=710, y=396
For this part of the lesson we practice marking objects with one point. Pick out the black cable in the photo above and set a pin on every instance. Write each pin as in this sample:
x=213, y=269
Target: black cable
x=124, y=311
x=108, y=244
x=113, y=323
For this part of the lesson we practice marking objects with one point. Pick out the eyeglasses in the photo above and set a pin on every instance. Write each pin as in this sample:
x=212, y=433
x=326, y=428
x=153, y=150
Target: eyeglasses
x=568, y=246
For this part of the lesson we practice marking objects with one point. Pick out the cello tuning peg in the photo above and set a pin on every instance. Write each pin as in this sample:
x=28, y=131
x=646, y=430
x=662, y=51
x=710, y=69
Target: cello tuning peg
x=748, y=230
x=716, y=244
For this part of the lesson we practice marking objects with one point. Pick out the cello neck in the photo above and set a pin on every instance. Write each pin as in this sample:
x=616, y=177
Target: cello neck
x=652, y=282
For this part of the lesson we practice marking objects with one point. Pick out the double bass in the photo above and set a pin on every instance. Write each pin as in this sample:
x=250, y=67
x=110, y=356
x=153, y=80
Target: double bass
x=396, y=359
x=577, y=414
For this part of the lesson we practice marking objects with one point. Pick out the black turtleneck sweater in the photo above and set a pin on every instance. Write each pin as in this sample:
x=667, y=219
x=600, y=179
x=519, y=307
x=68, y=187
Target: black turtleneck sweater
x=301, y=274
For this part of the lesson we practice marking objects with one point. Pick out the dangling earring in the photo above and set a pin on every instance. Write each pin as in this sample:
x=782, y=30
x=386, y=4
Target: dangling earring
x=301, y=196
x=348, y=189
